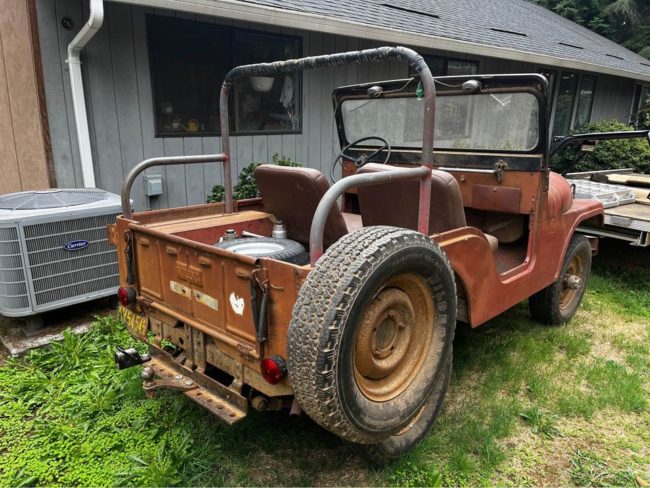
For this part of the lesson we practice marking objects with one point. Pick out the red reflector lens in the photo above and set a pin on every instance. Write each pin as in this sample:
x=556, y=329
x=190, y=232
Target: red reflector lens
x=126, y=296
x=273, y=369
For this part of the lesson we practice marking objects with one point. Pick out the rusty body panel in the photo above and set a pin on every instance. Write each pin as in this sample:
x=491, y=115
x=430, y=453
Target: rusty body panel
x=213, y=316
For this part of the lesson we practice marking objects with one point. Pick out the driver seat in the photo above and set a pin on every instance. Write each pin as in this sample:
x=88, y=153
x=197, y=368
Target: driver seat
x=292, y=195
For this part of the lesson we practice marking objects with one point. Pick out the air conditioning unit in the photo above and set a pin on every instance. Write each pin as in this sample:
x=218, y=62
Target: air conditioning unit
x=54, y=250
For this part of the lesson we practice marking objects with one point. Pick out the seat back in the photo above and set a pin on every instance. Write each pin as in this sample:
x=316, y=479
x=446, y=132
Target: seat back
x=292, y=195
x=396, y=203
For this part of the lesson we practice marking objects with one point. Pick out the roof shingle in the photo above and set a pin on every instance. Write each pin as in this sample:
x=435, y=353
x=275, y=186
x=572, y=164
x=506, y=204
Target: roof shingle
x=511, y=24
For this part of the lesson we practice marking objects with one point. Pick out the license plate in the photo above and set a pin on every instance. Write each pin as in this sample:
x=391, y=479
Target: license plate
x=137, y=324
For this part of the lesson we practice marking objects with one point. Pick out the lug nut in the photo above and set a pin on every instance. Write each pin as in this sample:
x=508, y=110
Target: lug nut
x=147, y=373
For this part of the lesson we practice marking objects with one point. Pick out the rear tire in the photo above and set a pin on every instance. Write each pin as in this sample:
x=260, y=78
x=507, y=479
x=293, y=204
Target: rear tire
x=391, y=448
x=559, y=302
x=370, y=332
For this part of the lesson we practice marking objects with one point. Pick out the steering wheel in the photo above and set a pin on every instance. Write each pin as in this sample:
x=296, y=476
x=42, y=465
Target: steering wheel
x=362, y=160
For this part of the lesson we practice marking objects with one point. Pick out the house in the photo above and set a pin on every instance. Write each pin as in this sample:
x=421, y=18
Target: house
x=146, y=82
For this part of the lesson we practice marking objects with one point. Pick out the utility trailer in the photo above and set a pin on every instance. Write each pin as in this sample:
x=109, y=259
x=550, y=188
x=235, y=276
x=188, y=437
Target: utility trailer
x=348, y=313
x=625, y=195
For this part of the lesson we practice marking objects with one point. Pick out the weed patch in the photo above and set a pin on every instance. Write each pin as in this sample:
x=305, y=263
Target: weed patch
x=527, y=405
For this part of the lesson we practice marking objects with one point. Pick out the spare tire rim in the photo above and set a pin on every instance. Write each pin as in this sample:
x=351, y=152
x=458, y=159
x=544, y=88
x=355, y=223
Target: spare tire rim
x=256, y=248
x=572, y=282
x=393, y=338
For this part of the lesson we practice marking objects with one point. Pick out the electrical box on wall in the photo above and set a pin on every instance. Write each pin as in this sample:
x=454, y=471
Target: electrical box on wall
x=153, y=185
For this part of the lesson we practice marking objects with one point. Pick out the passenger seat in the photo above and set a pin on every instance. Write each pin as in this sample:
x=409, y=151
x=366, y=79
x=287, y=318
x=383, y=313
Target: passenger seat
x=396, y=203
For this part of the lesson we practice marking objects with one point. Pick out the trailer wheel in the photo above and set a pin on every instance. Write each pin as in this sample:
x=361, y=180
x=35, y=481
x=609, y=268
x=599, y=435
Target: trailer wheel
x=370, y=332
x=558, y=302
x=391, y=448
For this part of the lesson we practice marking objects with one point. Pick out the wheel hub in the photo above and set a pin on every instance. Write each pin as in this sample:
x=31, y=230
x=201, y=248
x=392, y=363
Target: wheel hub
x=572, y=282
x=393, y=338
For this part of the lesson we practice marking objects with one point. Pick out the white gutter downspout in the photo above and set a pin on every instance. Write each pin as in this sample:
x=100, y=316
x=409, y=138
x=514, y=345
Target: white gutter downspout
x=86, y=33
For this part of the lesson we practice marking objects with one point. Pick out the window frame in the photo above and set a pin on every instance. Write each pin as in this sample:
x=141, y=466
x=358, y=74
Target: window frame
x=445, y=61
x=554, y=90
x=574, y=119
x=637, y=100
x=232, y=32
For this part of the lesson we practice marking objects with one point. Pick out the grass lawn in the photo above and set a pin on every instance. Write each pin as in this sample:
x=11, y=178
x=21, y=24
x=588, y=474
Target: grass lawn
x=527, y=405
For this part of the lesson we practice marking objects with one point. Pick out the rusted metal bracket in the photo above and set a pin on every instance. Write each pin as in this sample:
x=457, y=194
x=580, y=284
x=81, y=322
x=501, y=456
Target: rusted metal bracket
x=225, y=402
x=260, y=282
x=173, y=384
x=128, y=253
x=500, y=168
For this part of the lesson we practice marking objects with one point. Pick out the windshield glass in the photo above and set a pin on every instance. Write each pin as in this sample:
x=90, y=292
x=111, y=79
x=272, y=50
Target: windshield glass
x=506, y=122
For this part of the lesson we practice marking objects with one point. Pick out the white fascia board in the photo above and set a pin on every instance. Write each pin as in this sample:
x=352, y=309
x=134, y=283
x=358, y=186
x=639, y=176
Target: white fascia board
x=262, y=14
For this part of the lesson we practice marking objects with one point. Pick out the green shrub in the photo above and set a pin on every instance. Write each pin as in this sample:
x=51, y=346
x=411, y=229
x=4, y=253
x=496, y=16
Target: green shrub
x=615, y=154
x=641, y=119
x=246, y=187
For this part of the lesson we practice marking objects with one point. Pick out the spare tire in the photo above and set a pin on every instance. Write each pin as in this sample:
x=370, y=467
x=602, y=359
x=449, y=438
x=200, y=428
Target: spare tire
x=268, y=247
x=371, y=332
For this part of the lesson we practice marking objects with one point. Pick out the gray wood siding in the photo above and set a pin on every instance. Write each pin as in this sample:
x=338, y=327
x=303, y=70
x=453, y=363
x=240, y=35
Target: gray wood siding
x=121, y=106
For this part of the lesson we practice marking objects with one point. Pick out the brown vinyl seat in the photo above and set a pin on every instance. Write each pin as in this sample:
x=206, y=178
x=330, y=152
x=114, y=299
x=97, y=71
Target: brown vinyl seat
x=396, y=203
x=292, y=195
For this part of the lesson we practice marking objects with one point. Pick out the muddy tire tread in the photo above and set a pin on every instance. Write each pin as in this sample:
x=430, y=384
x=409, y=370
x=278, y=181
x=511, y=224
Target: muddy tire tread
x=332, y=287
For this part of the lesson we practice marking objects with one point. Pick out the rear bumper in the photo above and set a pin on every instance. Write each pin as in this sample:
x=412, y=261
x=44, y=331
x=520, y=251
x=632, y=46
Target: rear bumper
x=226, y=402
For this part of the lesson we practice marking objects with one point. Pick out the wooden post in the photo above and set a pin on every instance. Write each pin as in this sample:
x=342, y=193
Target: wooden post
x=25, y=157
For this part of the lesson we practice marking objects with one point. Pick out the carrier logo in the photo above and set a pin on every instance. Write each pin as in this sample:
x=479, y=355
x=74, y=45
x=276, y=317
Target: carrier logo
x=76, y=245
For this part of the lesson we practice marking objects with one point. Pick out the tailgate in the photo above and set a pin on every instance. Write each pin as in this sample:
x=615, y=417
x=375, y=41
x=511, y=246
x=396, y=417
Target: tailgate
x=198, y=284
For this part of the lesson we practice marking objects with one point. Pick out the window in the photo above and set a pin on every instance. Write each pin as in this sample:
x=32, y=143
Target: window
x=641, y=107
x=585, y=100
x=496, y=122
x=188, y=63
x=564, y=104
x=457, y=110
x=573, y=99
x=441, y=66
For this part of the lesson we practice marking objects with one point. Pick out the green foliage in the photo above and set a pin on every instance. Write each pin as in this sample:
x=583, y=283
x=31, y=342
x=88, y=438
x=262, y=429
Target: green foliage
x=411, y=475
x=641, y=119
x=614, y=154
x=626, y=22
x=246, y=187
x=589, y=469
x=541, y=423
x=68, y=417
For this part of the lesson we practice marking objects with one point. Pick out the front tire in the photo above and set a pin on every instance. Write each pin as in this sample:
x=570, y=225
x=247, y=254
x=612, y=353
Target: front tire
x=370, y=332
x=559, y=302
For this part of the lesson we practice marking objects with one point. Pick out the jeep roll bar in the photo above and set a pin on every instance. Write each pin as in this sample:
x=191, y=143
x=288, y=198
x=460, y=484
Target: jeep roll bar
x=417, y=64
x=127, y=212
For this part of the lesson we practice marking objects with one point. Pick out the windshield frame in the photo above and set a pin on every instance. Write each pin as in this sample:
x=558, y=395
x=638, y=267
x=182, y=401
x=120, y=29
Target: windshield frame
x=534, y=84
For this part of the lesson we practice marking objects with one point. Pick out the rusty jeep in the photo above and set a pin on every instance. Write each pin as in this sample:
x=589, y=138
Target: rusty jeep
x=341, y=300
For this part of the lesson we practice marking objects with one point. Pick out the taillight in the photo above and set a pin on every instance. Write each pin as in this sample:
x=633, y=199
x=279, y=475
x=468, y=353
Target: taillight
x=274, y=368
x=126, y=296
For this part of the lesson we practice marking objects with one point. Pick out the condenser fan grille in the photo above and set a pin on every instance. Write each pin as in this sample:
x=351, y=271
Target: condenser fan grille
x=33, y=200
